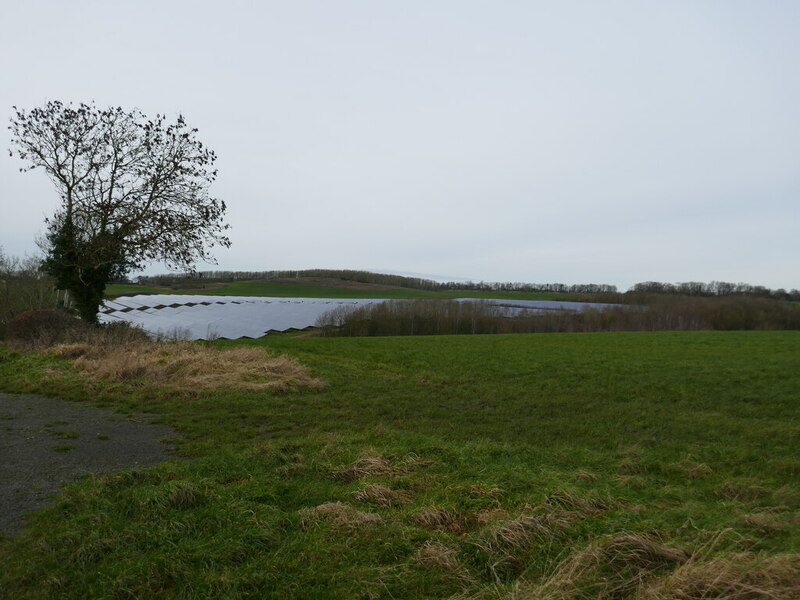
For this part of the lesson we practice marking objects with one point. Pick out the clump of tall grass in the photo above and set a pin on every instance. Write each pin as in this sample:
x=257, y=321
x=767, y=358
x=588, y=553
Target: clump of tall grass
x=370, y=464
x=737, y=577
x=340, y=515
x=506, y=543
x=382, y=495
x=635, y=566
x=438, y=555
x=613, y=568
x=184, y=365
x=441, y=519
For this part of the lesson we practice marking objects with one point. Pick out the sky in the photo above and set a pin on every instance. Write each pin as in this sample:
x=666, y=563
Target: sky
x=571, y=141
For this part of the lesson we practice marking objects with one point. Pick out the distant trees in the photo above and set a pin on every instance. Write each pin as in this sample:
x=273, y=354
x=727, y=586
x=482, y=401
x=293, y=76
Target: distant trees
x=559, y=288
x=597, y=292
x=388, y=279
x=132, y=189
x=344, y=274
x=714, y=288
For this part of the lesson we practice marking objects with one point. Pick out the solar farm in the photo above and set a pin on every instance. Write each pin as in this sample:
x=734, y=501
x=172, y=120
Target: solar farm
x=234, y=317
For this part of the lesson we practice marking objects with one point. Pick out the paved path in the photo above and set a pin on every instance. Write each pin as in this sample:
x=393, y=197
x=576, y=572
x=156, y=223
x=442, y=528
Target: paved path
x=45, y=443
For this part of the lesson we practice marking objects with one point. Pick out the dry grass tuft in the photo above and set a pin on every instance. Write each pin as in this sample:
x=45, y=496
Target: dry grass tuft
x=632, y=567
x=524, y=530
x=764, y=523
x=366, y=465
x=482, y=490
x=490, y=515
x=788, y=496
x=440, y=519
x=631, y=466
x=632, y=452
x=736, y=577
x=369, y=463
x=742, y=492
x=434, y=554
x=691, y=469
x=381, y=495
x=339, y=514
x=185, y=365
x=634, y=482
x=184, y=495
x=506, y=542
x=71, y=351
x=614, y=568
x=643, y=553
x=587, y=476
x=570, y=502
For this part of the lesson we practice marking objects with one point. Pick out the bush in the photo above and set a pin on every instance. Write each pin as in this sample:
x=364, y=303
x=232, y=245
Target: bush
x=43, y=327
x=22, y=288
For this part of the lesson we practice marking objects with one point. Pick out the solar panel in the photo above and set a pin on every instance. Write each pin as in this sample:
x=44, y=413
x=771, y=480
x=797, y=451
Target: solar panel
x=233, y=317
x=544, y=305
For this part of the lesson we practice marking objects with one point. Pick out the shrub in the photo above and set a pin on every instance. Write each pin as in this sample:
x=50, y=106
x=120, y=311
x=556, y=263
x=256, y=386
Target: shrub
x=43, y=327
x=22, y=288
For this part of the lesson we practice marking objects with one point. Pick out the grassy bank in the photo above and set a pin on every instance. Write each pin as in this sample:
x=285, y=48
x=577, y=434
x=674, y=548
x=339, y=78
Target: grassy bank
x=558, y=466
x=314, y=290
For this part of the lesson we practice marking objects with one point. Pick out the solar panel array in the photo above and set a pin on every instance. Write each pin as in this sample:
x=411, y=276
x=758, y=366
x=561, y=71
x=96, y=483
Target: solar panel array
x=175, y=316
x=516, y=307
x=209, y=317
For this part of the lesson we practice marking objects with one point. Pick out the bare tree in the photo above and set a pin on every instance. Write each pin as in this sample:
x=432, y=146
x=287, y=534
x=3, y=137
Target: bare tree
x=133, y=190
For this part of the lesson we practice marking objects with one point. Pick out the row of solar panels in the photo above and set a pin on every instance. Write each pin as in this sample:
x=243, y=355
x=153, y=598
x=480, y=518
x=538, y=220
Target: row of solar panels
x=145, y=301
x=232, y=317
x=209, y=317
x=517, y=306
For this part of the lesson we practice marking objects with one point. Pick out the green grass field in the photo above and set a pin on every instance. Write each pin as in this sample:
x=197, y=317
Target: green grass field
x=291, y=290
x=524, y=466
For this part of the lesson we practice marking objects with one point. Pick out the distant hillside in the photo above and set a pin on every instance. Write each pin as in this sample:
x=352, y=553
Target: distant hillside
x=329, y=277
x=346, y=279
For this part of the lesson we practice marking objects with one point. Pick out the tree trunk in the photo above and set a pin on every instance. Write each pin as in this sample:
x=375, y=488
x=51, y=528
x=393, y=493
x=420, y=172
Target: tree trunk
x=88, y=298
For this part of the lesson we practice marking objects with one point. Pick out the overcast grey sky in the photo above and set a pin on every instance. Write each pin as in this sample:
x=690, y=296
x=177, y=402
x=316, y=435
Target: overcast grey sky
x=607, y=142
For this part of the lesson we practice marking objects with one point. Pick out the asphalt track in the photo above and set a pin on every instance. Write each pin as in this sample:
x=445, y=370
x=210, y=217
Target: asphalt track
x=45, y=443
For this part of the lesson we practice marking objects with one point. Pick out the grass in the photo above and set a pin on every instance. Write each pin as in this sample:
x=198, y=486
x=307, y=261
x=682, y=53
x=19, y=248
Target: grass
x=647, y=465
x=298, y=290
x=62, y=448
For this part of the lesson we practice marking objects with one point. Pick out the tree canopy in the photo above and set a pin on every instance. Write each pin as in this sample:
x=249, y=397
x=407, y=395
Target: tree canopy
x=133, y=190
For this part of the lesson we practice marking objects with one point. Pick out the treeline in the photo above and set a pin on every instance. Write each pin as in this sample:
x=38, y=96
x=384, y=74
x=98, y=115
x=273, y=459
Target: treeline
x=715, y=288
x=599, y=291
x=443, y=317
x=346, y=275
x=23, y=287
x=416, y=283
x=561, y=288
